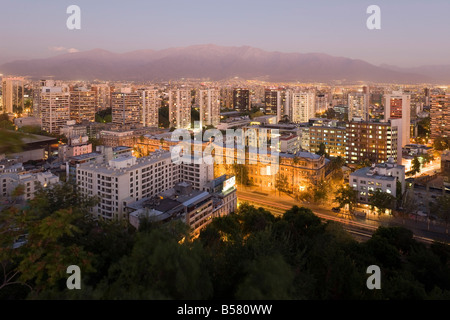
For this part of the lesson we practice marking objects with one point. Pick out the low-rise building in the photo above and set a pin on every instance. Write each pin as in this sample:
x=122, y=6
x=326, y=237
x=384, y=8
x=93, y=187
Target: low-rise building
x=383, y=176
x=194, y=207
x=28, y=180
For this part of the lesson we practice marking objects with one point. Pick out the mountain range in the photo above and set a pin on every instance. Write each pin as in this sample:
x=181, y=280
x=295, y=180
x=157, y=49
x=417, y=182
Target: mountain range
x=217, y=63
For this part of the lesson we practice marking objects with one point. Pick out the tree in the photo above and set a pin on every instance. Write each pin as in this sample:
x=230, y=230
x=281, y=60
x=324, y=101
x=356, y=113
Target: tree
x=381, y=201
x=241, y=173
x=322, y=150
x=163, y=116
x=10, y=141
x=281, y=183
x=363, y=164
x=346, y=195
x=335, y=167
x=51, y=222
x=441, y=143
x=442, y=209
x=415, y=166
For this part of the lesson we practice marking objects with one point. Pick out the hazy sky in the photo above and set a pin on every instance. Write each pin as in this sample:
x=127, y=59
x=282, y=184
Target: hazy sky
x=412, y=32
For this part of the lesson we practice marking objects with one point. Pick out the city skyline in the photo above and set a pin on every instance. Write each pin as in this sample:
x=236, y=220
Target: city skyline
x=408, y=29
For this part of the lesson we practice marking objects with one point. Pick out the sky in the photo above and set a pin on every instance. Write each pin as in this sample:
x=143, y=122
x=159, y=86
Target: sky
x=412, y=33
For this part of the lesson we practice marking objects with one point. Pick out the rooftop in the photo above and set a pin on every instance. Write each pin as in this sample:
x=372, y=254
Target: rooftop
x=364, y=173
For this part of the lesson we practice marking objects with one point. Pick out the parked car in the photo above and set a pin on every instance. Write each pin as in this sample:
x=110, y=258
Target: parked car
x=336, y=209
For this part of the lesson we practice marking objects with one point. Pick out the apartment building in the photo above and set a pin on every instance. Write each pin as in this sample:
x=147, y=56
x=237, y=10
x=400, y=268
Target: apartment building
x=375, y=141
x=82, y=105
x=125, y=180
x=126, y=108
x=440, y=116
x=30, y=181
x=397, y=105
x=54, y=105
x=358, y=105
x=12, y=94
x=209, y=101
x=150, y=106
x=180, y=108
x=333, y=138
x=383, y=176
x=302, y=107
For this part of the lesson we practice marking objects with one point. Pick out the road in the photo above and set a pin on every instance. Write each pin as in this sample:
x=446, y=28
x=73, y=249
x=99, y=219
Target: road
x=361, y=228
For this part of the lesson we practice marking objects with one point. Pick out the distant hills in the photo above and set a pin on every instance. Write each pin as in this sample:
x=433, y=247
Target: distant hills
x=217, y=63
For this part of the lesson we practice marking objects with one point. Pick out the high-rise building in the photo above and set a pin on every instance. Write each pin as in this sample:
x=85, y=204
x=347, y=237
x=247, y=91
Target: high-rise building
x=54, y=108
x=209, y=107
x=397, y=105
x=150, y=107
x=277, y=102
x=102, y=96
x=12, y=94
x=126, y=108
x=125, y=180
x=226, y=97
x=180, y=108
x=82, y=105
x=333, y=138
x=321, y=103
x=358, y=106
x=374, y=141
x=241, y=100
x=440, y=115
x=302, y=106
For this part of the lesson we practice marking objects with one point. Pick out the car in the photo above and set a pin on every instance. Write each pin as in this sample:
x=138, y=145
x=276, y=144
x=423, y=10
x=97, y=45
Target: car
x=336, y=209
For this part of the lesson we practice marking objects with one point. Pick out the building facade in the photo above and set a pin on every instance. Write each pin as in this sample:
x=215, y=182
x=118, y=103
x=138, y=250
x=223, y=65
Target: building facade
x=180, y=108
x=209, y=101
x=383, y=176
x=82, y=105
x=374, y=141
x=440, y=116
x=54, y=107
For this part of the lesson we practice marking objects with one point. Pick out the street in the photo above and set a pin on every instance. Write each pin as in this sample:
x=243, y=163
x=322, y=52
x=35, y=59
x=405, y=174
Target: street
x=364, y=226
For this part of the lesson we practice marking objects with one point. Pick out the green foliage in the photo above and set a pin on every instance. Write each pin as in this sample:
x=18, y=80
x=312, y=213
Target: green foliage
x=250, y=255
x=441, y=143
x=442, y=208
x=104, y=116
x=363, y=164
x=241, y=173
x=381, y=201
x=322, y=150
x=346, y=195
x=163, y=115
x=10, y=141
x=281, y=183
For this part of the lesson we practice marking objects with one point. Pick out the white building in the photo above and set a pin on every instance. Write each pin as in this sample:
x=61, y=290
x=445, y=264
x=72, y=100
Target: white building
x=358, y=106
x=209, y=101
x=29, y=180
x=180, y=108
x=54, y=107
x=382, y=176
x=397, y=105
x=125, y=180
x=302, y=107
x=150, y=107
x=290, y=144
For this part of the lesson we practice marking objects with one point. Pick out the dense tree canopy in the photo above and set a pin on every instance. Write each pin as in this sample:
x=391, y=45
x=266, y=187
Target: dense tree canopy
x=250, y=254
